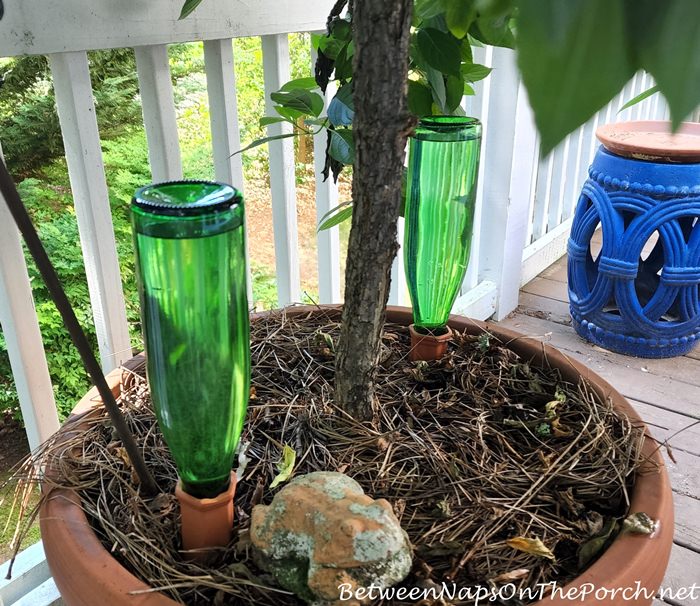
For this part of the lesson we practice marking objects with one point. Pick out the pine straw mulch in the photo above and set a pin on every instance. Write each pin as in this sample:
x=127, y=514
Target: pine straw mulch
x=471, y=451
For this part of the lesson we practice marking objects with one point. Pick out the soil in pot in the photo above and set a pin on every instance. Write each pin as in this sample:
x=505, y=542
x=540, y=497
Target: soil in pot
x=498, y=470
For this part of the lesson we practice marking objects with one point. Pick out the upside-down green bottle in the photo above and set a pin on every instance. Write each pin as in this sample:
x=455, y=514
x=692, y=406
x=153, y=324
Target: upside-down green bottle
x=190, y=262
x=443, y=164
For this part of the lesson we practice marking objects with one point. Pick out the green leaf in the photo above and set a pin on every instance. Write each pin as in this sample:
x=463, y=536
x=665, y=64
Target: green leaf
x=264, y=140
x=440, y=50
x=437, y=22
x=427, y=9
x=285, y=467
x=459, y=15
x=188, y=7
x=591, y=548
x=573, y=60
x=301, y=100
x=341, y=30
x=289, y=114
x=474, y=42
x=475, y=72
x=267, y=120
x=669, y=49
x=437, y=86
x=330, y=46
x=316, y=121
x=454, y=89
x=343, y=62
x=494, y=8
x=466, y=53
x=417, y=61
x=420, y=98
x=344, y=96
x=496, y=31
x=639, y=98
x=300, y=83
x=342, y=147
x=316, y=40
x=335, y=216
x=341, y=108
x=543, y=429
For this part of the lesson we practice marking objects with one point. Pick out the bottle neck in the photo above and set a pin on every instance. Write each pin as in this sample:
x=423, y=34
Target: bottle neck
x=202, y=226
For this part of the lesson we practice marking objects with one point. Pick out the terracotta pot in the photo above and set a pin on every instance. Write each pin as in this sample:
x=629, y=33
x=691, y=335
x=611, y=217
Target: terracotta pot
x=428, y=346
x=84, y=571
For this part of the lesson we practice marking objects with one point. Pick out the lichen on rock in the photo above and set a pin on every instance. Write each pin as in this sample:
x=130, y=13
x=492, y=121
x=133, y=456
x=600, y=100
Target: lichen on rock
x=321, y=530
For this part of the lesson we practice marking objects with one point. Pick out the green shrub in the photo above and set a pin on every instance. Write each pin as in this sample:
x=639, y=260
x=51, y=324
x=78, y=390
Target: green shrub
x=59, y=234
x=29, y=123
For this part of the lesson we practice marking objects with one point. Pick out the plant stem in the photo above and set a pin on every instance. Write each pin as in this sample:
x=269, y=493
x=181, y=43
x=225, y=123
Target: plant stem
x=53, y=284
x=381, y=125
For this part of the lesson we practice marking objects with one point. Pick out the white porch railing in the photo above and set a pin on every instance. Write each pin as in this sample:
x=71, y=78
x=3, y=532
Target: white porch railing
x=524, y=204
x=558, y=178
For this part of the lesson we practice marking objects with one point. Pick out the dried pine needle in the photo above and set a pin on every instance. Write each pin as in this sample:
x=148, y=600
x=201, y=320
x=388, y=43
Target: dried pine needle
x=472, y=451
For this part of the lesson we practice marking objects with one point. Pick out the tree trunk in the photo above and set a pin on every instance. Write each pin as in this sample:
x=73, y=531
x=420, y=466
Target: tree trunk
x=381, y=30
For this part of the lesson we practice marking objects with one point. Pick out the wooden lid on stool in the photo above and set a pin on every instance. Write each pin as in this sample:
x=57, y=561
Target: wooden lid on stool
x=652, y=140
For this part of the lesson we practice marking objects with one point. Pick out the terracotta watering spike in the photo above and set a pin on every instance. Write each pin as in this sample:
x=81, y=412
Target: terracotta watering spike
x=428, y=346
x=206, y=523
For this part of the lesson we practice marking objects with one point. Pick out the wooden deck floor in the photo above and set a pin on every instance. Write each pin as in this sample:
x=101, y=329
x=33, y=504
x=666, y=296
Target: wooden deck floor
x=666, y=393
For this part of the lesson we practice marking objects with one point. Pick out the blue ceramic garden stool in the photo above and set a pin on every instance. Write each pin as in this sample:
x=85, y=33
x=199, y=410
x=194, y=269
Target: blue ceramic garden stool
x=647, y=307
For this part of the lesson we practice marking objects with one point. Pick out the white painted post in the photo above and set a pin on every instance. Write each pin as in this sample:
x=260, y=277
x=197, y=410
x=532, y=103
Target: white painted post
x=573, y=184
x=557, y=184
x=76, y=111
x=282, y=177
x=328, y=240
x=594, y=144
x=533, y=186
x=615, y=106
x=607, y=113
x=665, y=110
x=542, y=196
x=656, y=105
x=21, y=330
x=506, y=198
x=160, y=121
x=223, y=117
x=640, y=82
x=477, y=106
x=649, y=101
x=588, y=147
x=397, y=287
x=626, y=94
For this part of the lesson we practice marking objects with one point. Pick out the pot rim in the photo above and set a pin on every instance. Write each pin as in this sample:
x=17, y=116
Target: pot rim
x=64, y=523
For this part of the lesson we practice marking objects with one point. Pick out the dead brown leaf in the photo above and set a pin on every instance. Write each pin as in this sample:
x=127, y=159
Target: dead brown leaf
x=533, y=546
x=512, y=575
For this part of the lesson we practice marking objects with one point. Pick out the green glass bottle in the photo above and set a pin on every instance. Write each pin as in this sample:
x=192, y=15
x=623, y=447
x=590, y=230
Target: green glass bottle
x=190, y=262
x=443, y=164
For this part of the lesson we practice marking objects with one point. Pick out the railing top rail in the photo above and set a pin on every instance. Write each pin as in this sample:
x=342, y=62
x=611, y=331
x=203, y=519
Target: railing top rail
x=40, y=27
